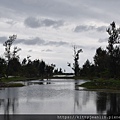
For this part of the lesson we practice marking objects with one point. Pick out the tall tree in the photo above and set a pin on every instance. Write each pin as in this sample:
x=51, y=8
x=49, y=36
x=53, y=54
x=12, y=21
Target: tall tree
x=114, y=52
x=10, y=54
x=76, y=58
x=8, y=45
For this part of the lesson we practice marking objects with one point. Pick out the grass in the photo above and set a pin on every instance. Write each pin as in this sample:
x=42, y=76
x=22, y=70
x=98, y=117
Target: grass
x=13, y=79
x=5, y=82
x=102, y=84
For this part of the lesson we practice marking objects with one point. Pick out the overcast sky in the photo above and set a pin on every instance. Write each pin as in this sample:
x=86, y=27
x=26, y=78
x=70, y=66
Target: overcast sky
x=47, y=29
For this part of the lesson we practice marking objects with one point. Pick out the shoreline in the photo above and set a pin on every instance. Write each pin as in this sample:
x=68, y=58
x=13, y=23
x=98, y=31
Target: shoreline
x=94, y=84
x=106, y=84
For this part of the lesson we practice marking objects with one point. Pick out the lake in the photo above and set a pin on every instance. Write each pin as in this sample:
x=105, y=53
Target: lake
x=57, y=96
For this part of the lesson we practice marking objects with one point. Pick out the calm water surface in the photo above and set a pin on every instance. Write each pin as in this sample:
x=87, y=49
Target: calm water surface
x=57, y=97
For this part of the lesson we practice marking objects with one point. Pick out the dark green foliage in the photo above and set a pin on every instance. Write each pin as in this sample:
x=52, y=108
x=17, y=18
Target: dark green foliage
x=42, y=68
x=49, y=70
x=27, y=68
x=14, y=67
x=36, y=68
x=101, y=61
x=87, y=70
x=3, y=66
x=102, y=84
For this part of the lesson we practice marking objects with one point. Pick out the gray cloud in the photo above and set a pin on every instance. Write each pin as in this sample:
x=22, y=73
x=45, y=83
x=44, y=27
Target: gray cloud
x=66, y=9
x=36, y=41
x=54, y=43
x=86, y=47
x=33, y=22
x=84, y=28
x=3, y=39
x=48, y=50
x=39, y=41
x=54, y=23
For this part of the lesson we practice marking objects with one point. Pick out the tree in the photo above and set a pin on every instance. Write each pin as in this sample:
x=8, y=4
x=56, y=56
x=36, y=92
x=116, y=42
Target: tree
x=8, y=45
x=60, y=71
x=86, y=68
x=14, y=67
x=8, y=53
x=114, y=52
x=76, y=58
x=49, y=70
x=101, y=61
x=42, y=69
x=15, y=51
x=24, y=61
x=2, y=67
x=29, y=69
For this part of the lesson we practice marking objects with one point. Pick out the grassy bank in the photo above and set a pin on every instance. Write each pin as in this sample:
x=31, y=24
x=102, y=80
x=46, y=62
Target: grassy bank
x=6, y=82
x=14, y=79
x=102, y=84
x=10, y=79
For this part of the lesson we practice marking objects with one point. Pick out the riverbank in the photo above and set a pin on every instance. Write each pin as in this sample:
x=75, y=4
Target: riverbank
x=102, y=84
x=11, y=85
x=93, y=84
x=8, y=82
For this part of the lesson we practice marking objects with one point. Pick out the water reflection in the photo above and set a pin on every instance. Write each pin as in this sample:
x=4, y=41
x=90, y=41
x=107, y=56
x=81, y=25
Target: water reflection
x=8, y=101
x=101, y=102
x=108, y=102
x=78, y=102
x=41, y=82
x=57, y=96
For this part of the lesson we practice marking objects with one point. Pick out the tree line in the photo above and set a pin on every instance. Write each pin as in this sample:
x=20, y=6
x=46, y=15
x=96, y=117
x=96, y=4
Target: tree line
x=11, y=65
x=106, y=62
